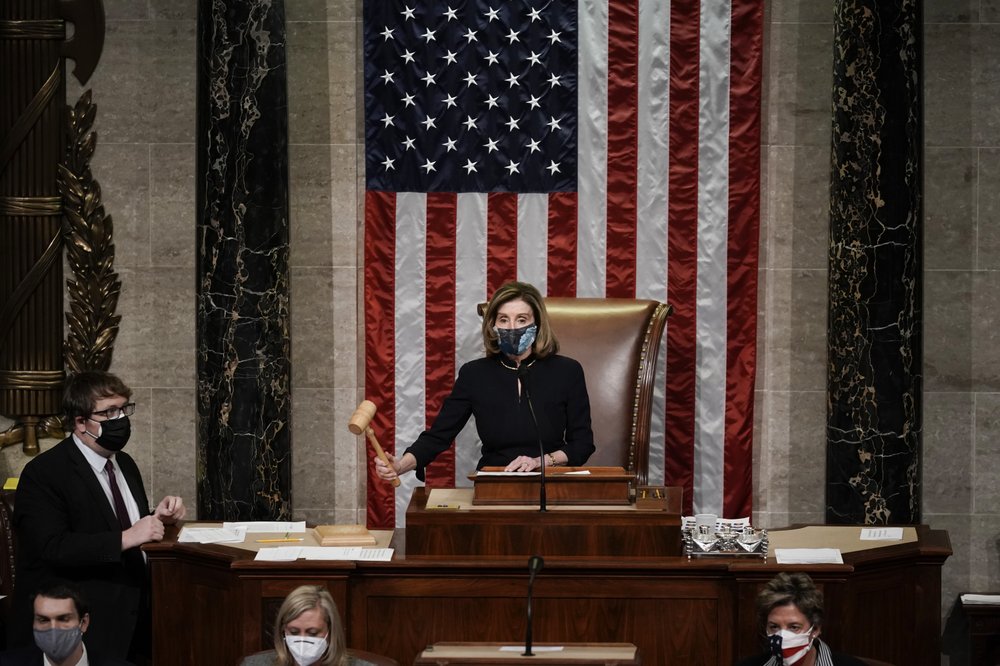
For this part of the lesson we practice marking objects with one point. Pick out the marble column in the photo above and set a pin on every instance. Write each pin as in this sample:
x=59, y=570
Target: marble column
x=244, y=443
x=875, y=310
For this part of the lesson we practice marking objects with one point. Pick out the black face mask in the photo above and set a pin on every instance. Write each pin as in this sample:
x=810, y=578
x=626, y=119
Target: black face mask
x=114, y=433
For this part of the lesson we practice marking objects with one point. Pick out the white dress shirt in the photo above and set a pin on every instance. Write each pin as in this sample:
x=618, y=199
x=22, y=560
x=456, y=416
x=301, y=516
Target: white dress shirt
x=97, y=462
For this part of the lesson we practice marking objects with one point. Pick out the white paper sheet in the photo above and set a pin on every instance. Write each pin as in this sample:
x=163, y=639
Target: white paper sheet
x=258, y=526
x=534, y=648
x=211, y=535
x=355, y=553
x=808, y=556
x=345, y=553
x=881, y=533
x=990, y=599
x=279, y=554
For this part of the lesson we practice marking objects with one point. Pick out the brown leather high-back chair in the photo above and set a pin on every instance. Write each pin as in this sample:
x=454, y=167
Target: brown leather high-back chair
x=617, y=341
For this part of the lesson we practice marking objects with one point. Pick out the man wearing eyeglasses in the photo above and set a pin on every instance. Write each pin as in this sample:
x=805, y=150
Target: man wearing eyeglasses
x=81, y=513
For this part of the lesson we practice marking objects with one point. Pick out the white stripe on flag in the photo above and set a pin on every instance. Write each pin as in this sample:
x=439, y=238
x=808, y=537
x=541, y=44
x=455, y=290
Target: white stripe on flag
x=653, y=147
x=533, y=240
x=653, y=195
x=592, y=149
x=470, y=291
x=411, y=274
x=713, y=236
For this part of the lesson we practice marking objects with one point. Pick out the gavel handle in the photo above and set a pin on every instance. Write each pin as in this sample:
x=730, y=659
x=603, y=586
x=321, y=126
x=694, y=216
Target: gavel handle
x=370, y=434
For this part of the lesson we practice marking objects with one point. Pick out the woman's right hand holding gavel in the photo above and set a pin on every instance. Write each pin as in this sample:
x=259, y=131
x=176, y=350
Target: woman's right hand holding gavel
x=396, y=466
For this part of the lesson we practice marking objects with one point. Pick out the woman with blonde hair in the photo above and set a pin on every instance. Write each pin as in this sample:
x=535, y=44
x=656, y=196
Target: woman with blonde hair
x=307, y=631
x=520, y=346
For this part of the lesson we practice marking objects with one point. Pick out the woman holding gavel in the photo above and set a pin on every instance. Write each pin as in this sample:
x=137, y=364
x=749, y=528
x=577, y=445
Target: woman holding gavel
x=520, y=348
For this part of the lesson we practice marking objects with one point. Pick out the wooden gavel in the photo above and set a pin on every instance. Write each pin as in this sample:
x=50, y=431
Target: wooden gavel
x=361, y=423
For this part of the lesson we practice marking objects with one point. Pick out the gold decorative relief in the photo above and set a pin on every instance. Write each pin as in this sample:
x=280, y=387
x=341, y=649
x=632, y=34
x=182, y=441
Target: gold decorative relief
x=90, y=251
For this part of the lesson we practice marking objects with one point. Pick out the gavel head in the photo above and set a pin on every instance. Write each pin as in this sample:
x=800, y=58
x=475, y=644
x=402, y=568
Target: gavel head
x=362, y=417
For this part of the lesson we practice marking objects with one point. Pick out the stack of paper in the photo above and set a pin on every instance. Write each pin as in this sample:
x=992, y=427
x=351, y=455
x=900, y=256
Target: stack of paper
x=985, y=599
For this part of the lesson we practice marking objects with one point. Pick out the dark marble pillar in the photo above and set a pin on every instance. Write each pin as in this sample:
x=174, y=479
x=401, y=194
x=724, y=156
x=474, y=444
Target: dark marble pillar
x=875, y=317
x=244, y=444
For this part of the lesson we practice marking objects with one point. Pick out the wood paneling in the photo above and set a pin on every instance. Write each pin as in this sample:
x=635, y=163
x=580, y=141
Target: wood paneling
x=882, y=603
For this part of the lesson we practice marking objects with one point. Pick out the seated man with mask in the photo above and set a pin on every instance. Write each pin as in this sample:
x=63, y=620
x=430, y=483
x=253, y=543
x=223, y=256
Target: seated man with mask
x=61, y=620
x=81, y=514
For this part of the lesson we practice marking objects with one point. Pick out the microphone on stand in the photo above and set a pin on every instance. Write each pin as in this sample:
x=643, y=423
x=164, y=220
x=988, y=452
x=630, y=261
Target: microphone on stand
x=522, y=376
x=535, y=564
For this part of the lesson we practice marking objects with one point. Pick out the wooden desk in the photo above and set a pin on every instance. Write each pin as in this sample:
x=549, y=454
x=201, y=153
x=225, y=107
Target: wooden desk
x=984, y=633
x=563, y=485
x=882, y=603
x=522, y=531
x=491, y=654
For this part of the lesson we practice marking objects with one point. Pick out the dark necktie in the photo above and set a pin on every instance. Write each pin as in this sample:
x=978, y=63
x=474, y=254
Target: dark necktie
x=116, y=497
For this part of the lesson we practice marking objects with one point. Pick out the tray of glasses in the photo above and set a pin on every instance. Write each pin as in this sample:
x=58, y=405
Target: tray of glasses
x=702, y=541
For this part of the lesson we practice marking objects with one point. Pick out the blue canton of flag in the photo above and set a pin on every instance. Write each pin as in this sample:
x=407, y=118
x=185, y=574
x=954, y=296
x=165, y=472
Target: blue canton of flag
x=470, y=96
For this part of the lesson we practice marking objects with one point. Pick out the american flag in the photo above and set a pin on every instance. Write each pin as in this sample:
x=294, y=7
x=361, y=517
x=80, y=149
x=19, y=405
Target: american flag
x=592, y=148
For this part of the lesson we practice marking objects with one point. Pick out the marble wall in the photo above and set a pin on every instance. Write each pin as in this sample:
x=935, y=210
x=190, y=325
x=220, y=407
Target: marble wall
x=961, y=277
x=144, y=88
x=962, y=288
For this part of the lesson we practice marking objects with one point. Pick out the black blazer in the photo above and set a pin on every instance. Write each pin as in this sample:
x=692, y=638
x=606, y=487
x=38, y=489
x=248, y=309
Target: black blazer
x=32, y=656
x=67, y=530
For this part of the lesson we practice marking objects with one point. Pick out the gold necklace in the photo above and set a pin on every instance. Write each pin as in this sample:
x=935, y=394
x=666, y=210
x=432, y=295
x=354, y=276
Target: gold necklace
x=503, y=362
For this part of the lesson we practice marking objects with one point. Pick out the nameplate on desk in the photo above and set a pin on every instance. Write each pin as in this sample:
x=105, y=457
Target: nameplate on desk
x=444, y=506
x=881, y=533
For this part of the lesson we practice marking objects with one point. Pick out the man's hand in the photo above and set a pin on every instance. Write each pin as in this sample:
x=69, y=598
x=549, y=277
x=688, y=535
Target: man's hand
x=145, y=530
x=170, y=510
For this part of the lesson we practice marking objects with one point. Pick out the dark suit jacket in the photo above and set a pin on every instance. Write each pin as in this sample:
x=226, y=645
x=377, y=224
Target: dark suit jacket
x=32, y=656
x=67, y=530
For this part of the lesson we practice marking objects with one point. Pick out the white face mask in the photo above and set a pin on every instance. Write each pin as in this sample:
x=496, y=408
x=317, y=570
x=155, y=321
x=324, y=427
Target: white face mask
x=789, y=646
x=306, y=650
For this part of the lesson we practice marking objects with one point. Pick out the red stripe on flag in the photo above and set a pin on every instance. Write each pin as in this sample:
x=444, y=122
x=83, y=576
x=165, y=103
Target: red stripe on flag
x=682, y=247
x=501, y=239
x=562, y=244
x=623, y=99
x=744, y=224
x=380, y=379
x=439, y=318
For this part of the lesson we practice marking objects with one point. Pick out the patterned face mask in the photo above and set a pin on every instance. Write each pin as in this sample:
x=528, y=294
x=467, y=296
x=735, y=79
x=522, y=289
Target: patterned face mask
x=789, y=646
x=516, y=341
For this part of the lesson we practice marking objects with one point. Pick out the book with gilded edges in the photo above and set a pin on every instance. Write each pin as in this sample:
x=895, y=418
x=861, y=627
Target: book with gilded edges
x=344, y=535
